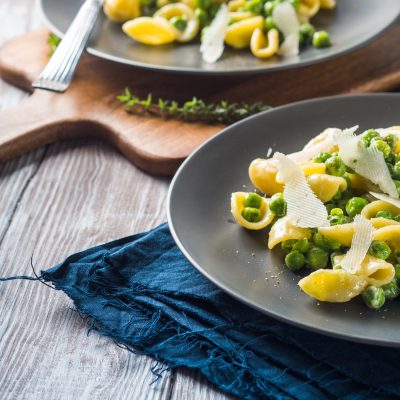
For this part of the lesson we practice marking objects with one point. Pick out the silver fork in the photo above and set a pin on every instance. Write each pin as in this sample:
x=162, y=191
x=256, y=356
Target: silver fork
x=58, y=73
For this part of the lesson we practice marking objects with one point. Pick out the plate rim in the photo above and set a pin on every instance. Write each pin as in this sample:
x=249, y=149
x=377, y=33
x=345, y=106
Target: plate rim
x=228, y=290
x=234, y=72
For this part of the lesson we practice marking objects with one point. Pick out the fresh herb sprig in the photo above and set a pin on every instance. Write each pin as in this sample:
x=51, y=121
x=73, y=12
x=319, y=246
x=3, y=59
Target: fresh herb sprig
x=195, y=110
x=53, y=40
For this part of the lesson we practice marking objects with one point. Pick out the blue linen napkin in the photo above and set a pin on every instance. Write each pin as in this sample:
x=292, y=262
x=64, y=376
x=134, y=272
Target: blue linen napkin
x=143, y=293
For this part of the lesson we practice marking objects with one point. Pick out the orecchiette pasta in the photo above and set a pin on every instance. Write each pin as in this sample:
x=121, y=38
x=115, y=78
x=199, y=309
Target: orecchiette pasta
x=122, y=10
x=258, y=25
x=284, y=230
x=354, y=249
x=326, y=186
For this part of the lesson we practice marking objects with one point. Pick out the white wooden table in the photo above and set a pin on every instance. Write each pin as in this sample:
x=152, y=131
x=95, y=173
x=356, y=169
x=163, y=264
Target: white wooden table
x=53, y=202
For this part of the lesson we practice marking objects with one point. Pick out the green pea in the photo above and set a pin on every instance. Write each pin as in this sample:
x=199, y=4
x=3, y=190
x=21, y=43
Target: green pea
x=397, y=272
x=397, y=256
x=397, y=218
x=179, y=23
x=277, y=205
x=321, y=39
x=332, y=244
x=251, y=214
x=379, y=249
x=391, y=140
x=390, y=159
x=335, y=166
x=384, y=214
x=396, y=170
x=201, y=16
x=336, y=211
x=339, y=219
x=253, y=200
x=287, y=245
x=374, y=297
x=318, y=239
x=295, y=260
x=329, y=207
x=307, y=32
x=269, y=8
x=325, y=243
x=254, y=6
x=302, y=245
x=322, y=157
x=391, y=169
x=382, y=146
x=397, y=184
x=317, y=258
x=391, y=290
x=203, y=4
x=355, y=205
x=269, y=23
x=367, y=136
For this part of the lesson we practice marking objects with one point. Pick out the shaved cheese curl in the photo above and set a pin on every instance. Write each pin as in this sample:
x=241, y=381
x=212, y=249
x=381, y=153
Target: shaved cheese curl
x=311, y=152
x=368, y=162
x=388, y=199
x=304, y=209
x=362, y=239
x=285, y=18
x=212, y=44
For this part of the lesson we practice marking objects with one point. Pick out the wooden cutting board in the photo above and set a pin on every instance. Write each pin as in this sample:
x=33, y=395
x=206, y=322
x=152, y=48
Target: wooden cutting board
x=90, y=109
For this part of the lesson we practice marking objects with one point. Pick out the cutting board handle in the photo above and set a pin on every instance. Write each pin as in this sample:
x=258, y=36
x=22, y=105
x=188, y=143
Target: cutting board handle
x=36, y=121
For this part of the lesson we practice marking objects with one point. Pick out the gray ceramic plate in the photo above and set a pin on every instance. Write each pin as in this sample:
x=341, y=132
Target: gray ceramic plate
x=237, y=260
x=353, y=24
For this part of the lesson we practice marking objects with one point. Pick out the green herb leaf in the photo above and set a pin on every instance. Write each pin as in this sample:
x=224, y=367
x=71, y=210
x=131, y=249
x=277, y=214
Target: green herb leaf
x=195, y=110
x=53, y=40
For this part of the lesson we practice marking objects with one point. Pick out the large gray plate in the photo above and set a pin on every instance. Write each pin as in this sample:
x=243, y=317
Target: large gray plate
x=354, y=23
x=237, y=260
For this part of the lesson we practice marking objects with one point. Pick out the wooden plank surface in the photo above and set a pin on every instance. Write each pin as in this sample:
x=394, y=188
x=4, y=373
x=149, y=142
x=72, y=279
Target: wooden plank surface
x=54, y=201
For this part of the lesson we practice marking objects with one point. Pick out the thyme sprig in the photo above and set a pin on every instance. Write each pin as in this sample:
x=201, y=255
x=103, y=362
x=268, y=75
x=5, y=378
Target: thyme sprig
x=53, y=40
x=195, y=110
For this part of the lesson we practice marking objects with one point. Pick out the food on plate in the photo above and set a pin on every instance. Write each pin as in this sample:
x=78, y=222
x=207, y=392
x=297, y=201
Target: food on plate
x=267, y=27
x=334, y=210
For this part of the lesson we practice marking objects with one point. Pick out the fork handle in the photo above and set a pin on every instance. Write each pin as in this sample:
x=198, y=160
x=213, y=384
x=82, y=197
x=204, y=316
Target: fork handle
x=58, y=73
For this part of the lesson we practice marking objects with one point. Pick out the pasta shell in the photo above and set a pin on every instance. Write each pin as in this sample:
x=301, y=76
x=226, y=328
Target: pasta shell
x=326, y=186
x=333, y=285
x=151, y=31
x=283, y=230
x=238, y=35
x=370, y=210
x=342, y=233
x=389, y=234
x=237, y=208
x=121, y=10
x=262, y=174
x=375, y=271
x=263, y=48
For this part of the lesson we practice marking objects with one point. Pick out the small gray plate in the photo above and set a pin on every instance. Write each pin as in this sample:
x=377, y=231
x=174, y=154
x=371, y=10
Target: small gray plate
x=353, y=24
x=237, y=260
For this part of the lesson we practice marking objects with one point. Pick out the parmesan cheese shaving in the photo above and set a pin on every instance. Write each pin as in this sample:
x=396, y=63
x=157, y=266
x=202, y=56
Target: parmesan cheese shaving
x=285, y=18
x=304, y=209
x=362, y=239
x=309, y=153
x=388, y=199
x=212, y=44
x=368, y=162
